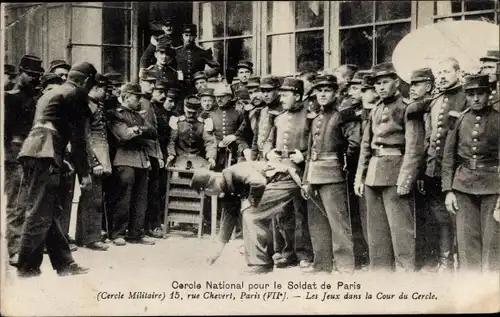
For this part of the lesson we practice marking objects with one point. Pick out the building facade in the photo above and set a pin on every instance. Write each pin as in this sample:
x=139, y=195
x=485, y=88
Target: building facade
x=280, y=37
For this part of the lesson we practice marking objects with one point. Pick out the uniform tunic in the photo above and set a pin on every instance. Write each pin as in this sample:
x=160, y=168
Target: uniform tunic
x=470, y=170
x=192, y=59
x=264, y=125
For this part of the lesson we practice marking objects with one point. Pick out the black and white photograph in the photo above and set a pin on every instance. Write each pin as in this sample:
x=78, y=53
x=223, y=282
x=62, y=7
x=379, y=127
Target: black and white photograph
x=250, y=157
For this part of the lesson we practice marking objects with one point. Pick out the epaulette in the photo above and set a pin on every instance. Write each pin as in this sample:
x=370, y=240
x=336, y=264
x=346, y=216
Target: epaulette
x=153, y=40
x=119, y=109
x=173, y=122
x=248, y=107
x=209, y=124
x=416, y=109
x=150, y=67
x=312, y=115
x=349, y=115
x=453, y=117
x=178, y=47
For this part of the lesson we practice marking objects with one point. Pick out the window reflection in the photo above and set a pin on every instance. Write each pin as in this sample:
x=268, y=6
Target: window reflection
x=238, y=49
x=356, y=47
x=388, y=36
x=356, y=12
x=239, y=18
x=116, y=59
x=476, y=5
x=280, y=16
x=309, y=51
x=116, y=26
x=211, y=20
x=392, y=10
x=308, y=14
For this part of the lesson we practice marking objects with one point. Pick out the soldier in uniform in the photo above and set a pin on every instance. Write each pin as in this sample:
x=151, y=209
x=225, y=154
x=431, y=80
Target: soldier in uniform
x=60, y=68
x=192, y=58
x=369, y=99
x=207, y=100
x=9, y=76
x=333, y=133
x=244, y=70
x=61, y=117
x=148, y=57
x=165, y=66
x=89, y=217
x=309, y=98
x=490, y=65
x=49, y=81
x=152, y=222
x=191, y=136
x=20, y=106
x=450, y=100
x=344, y=74
x=391, y=151
x=200, y=80
x=269, y=92
x=287, y=143
x=470, y=178
x=131, y=165
x=357, y=205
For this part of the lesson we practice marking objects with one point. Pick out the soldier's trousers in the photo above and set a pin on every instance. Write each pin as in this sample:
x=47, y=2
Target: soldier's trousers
x=391, y=238
x=131, y=202
x=303, y=245
x=109, y=190
x=15, y=216
x=357, y=207
x=66, y=193
x=440, y=225
x=39, y=200
x=284, y=232
x=330, y=228
x=478, y=233
x=230, y=206
x=89, y=217
x=153, y=210
x=257, y=231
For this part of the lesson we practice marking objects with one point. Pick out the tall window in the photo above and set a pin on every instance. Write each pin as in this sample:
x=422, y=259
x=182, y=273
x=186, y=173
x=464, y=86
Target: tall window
x=294, y=37
x=483, y=10
x=101, y=34
x=370, y=30
x=227, y=27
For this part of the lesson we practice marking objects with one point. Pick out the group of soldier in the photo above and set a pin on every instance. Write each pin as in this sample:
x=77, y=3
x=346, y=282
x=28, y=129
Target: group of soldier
x=359, y=150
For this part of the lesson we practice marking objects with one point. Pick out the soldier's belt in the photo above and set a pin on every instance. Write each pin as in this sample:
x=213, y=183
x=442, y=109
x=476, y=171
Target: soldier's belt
x=475, y=163
x=324, y=156
x=387, y=152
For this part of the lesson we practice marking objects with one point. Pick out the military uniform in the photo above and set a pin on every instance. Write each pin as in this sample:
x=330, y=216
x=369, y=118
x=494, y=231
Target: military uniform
x=61, y=117
x=289, y=131
x=131, y=165
x=90, y=213
x=332, y=134
x=148, y=58
x=470, y=171
x=192, y=58
x=192, y=137
x=391, y=152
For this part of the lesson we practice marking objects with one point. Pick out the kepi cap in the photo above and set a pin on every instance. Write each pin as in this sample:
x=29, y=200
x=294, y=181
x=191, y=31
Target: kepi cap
x=200, y=75
x=476, y=82
x=207, y=92
x=133, y=89
x=85, y=68
x=9, y=69
x=192, y=103
x=245, y=64
x=189, y=28
x=357, y=79
x=491, y=55
x=150, y=75
x=59, y=63
x=253, y=82
x=50, y=78
x=270, y=82
x=422, y=74
x=325, y=80
x=31, y=64
x=293, y=84
x=242, y=94
x=383, y=69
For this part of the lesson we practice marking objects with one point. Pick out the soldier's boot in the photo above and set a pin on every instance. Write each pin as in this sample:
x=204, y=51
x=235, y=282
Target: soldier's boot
x=445, y=263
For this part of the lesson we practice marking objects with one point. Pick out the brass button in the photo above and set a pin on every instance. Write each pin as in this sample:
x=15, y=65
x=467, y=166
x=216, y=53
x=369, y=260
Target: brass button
x=474, y=148
x=438, y=148
x=440, y=116
x=475, y=140
x=478, y=118
x=438, y=141
x=474, y=156
x=474, y=132
x=438, y=135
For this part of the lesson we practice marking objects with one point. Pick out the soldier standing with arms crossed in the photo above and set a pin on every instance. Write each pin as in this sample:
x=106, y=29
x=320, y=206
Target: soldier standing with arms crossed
x=391, y=151
x=61, y=117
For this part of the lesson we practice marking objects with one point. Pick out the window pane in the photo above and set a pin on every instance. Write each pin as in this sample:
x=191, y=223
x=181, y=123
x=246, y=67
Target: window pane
x=445, y=7
x=217, y=49
x=489, y=17
x=356, y=47
x=57, y=34
x=279, y=16
x=309, y=51
x=392, y=10
x=84, y=30
x=91, y=54
x=309, y=14
x=238, y=49
x=388, y=36
x=476, y=5
x=449, y=19
x=116, y=26
x=211, y=20
x=356, y=12
x=116, y=59
x=279, y=54
x=239, y=18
